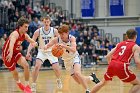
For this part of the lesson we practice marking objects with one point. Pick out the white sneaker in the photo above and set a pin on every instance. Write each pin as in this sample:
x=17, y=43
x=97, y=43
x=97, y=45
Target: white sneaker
x=33, y=87
x=59, y=83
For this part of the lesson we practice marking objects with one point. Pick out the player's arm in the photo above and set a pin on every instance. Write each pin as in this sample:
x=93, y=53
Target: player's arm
x=51, y=43
x=71, y=48
x=27, y=37
x=136, y=50
x=56, y=32
x=35, y=36
x=13, y=37
x=109, y=55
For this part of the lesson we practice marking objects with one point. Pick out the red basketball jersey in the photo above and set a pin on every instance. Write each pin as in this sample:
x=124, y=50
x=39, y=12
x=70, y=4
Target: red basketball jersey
x=17, y=45
x=123, y=51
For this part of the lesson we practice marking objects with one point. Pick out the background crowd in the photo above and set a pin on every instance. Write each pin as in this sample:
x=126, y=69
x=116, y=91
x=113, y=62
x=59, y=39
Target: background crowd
x=90, y=43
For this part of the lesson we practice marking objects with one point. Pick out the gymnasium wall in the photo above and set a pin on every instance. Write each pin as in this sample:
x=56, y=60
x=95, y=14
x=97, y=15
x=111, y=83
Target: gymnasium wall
x=132, y=7
x=117, y=31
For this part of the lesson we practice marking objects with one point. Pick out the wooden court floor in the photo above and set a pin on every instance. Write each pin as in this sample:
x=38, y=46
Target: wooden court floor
x=47, y=82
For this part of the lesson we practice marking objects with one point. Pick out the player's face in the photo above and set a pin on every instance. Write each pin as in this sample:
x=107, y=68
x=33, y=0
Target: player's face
x=47, y=22
x=24, y=28
x=64, y=36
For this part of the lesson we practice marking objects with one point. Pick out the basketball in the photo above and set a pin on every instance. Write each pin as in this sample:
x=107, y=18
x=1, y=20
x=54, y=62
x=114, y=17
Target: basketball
x=57, y=50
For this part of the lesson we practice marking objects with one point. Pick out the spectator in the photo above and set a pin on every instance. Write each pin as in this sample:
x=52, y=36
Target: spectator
x=1, y=30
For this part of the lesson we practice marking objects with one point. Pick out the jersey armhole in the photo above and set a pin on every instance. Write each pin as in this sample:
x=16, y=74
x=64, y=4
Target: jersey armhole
x=58, y=39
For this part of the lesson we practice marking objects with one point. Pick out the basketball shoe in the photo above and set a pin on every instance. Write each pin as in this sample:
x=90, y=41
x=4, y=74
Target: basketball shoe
x=95, y=79
x=59, y=83
x=21, y=86
x=87, y=91
x=33, y=87
x=27, y=89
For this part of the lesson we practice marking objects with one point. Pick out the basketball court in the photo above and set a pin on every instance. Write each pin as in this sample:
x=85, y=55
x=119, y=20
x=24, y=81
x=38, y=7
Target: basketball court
x=47, y=82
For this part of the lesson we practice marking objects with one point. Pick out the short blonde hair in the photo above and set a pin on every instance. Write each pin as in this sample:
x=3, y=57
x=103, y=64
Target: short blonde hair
x=46, y=18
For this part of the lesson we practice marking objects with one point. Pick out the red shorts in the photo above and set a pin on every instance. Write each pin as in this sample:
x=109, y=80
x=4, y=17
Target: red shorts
x=121, y=70
x=12, y=64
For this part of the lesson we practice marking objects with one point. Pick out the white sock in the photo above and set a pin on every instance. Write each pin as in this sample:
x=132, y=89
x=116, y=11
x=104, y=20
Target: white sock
x=90, y=77
x=26, y=83
x=87, y=89
x=33, y=83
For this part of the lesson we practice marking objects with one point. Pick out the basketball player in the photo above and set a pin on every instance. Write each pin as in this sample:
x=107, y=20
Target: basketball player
x=11, y=53
x=45, y=34
x=71, y=57
x=119, y=60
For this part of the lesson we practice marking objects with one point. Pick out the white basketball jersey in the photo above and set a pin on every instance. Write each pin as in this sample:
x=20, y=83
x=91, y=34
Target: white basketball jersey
x=67, y=55
x=45, y=37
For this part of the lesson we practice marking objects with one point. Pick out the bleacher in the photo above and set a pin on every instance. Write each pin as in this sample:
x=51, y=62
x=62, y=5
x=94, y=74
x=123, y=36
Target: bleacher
x=70, y=18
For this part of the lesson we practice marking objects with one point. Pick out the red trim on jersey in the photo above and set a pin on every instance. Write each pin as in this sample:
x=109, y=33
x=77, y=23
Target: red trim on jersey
x=16, y=51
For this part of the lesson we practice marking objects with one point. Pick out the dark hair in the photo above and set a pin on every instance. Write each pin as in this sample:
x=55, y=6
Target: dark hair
x=131, y=33
x=22, y=21
x=63, y=29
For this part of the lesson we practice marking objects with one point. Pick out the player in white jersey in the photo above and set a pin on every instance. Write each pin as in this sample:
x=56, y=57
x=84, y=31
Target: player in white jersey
x=71, y=57
x=44, y=34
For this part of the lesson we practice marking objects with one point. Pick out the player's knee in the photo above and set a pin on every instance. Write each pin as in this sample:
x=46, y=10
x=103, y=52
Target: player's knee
x=26, y=66
x=37, y=67
x=77, y=74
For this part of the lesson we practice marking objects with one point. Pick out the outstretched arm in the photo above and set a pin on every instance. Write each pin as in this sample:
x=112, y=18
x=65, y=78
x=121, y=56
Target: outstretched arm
x=136, y=50
x=71, y=48
x=32, y=44
x=56, y=32
x=51, y=43
x=35, y=36
x=109, y=55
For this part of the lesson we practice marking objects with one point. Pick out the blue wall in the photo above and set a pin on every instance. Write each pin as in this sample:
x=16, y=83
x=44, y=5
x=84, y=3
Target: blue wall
x=138, y=35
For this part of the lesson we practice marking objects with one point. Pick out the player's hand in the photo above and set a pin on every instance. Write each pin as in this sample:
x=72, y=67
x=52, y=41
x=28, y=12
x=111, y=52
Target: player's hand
x=62, y=45
x=34, y=44
x=45, y=47
x=9, y=56
x=28, y=56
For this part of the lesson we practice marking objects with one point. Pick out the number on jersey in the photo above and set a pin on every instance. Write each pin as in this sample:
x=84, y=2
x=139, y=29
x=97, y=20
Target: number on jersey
x=46, y=41
x=123, y=49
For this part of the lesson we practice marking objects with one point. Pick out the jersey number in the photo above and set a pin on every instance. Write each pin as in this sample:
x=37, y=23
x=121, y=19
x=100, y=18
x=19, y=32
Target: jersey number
x=46, y=41
x=123, y=49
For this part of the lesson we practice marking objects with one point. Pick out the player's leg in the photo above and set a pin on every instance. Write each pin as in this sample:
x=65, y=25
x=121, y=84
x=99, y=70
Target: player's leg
x=107, y=77
x=57, y=71
x=16, y=78
x=41, y=57
x=135, y=89
x=22, y=61
x=36, y=69
x=98, y=86
x=136, y=86
x=79, y=76
x=55, y=65
x=35, y=73
x=75, y=78
x=12, y=68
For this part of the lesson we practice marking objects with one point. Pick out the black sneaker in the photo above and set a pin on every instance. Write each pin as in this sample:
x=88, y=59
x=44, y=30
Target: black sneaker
x=95, y=79
x=87, y=91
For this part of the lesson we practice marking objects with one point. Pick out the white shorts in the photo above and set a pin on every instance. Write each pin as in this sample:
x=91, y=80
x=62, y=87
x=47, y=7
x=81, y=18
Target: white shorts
x=46, y=55
x=69, y=64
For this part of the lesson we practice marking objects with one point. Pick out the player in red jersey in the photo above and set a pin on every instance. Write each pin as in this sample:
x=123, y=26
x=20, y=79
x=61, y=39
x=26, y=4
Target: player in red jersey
x=11, y=53
x=119, y=60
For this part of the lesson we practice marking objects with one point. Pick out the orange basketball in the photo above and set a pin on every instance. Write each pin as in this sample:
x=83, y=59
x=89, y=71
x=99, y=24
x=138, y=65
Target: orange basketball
x=57, y=50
